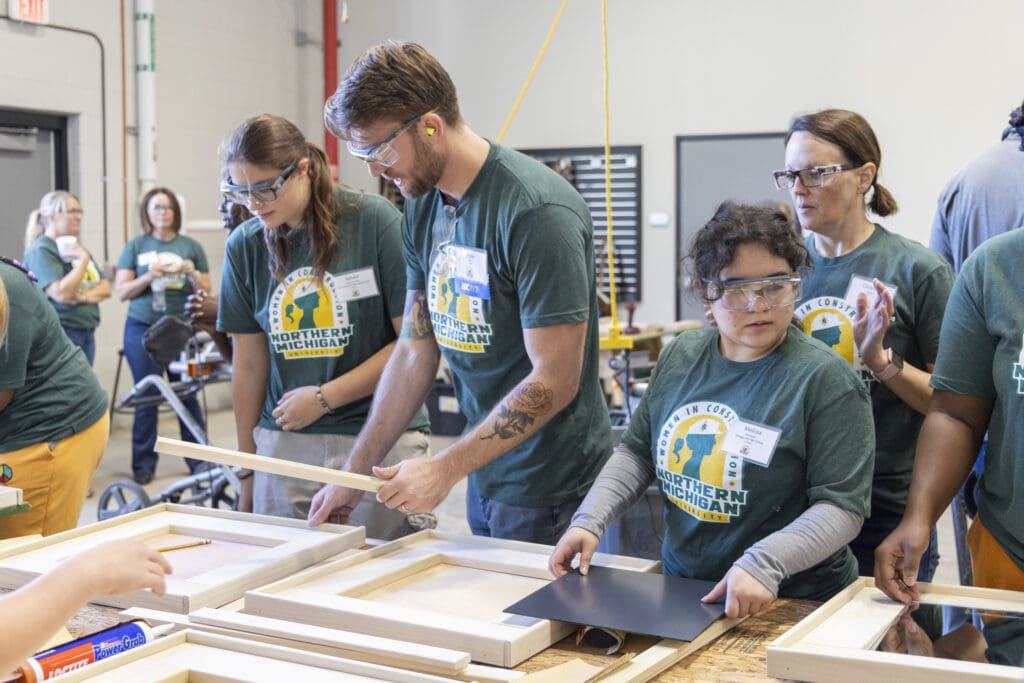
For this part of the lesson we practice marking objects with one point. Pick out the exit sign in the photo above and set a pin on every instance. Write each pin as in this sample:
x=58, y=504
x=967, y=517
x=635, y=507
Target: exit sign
x=35, y=11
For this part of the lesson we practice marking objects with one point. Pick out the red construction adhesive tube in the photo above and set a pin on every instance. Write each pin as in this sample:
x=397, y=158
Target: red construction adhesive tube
x=79, y=653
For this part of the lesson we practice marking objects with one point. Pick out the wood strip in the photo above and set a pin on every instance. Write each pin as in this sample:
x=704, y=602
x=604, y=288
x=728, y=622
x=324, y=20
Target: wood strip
x=260, y=463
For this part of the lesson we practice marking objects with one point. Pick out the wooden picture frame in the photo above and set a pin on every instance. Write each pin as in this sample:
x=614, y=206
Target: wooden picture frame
x=190, y=656
x=836, y=642
x=445, y=590
x=246, y=551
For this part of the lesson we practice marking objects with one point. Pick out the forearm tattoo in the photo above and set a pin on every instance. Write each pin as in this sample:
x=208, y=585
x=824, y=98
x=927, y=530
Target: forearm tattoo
x=521, y=410
x=416, y=320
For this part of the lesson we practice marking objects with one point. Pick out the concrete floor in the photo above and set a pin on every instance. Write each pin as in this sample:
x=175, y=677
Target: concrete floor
x=116, y=466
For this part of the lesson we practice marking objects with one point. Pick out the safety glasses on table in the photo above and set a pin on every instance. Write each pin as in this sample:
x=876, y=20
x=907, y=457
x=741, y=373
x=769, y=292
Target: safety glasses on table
x=742, y=295
x=261, y=192
x=816, y=176
x=383, y=153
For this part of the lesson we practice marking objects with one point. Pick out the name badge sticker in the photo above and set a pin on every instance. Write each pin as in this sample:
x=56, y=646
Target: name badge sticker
x=470, y=272
x=752, y=441
x=356, y=284
x=146, y=258
x=859, y=283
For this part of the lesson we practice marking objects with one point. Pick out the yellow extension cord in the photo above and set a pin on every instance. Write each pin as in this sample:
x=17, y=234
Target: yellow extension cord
x=615, y=339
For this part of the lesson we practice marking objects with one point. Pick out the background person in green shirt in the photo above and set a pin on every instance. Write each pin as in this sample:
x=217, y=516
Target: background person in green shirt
x=311, y=292
x=72, y=280
x=53, y=413
x=873, y=296
x=156, y=272
x=759, y=436
x=978, y=384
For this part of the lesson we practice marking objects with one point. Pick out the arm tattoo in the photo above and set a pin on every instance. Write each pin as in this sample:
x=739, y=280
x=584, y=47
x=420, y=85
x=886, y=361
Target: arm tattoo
x=519, y=412
x=416, y=321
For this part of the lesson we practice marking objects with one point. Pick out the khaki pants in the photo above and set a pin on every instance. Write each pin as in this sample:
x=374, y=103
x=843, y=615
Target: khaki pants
x=289, y=497
x=54, y=477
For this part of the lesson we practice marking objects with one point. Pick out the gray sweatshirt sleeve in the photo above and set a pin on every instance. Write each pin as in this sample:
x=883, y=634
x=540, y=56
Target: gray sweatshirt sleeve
x=622, y=481
x=808, y=540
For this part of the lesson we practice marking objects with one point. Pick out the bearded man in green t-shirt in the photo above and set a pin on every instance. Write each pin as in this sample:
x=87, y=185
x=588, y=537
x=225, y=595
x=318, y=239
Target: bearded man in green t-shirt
x=500, y=278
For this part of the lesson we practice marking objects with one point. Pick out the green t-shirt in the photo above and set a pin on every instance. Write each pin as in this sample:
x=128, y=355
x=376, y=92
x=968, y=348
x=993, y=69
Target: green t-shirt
x=922, y=281
x=517, y=252
x=43, y=259
x=316, y=333
x=740, y=450
x=982, y=354
x=146, y=249
x=56, y=393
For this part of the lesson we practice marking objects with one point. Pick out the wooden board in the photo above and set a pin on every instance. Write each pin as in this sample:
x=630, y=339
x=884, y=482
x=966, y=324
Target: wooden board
x=246, y=551
x=188, y=657
x=836, y=642
x=328, y=641
x=431, y=588
x=261, y=463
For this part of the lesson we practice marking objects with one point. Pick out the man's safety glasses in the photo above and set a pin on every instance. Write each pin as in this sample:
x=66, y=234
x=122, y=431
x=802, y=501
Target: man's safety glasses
x=383, y=153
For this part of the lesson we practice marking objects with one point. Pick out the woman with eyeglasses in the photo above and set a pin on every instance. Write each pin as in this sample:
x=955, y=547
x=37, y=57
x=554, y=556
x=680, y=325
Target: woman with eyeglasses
x=312, y=292
x=156, y=272
x=760, y=439
x=67, y=272
x=873, y=296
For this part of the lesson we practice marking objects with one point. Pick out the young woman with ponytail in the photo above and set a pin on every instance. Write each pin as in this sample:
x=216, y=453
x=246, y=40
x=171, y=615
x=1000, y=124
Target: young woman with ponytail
x=875, y=297
x=312, y=291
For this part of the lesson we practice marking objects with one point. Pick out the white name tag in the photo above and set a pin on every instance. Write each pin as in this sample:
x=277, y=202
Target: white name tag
x=752, y=441
x=859, y=283
x=146, y=258
x=356, y=284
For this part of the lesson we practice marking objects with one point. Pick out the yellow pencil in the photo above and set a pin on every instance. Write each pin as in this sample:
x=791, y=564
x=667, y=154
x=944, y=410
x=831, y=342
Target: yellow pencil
x=182, y=546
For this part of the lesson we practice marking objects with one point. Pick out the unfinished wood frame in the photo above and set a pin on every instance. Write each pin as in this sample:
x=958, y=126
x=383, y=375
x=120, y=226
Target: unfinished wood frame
x=329, y=641
x=836, y=642
x=188, y=657
x=247, y=551
x=446, y=590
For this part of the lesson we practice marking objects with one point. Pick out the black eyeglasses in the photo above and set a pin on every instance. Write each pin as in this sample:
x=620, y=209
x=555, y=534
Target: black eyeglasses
x=262, y=193
x=816, y=176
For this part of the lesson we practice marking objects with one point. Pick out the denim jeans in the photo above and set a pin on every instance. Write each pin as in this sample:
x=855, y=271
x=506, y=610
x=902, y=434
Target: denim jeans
x=83, y=339
x=144, y=457
x=488, y=517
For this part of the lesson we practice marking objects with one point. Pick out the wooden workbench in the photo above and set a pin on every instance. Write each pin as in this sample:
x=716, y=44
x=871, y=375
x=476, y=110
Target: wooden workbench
x=739, y=655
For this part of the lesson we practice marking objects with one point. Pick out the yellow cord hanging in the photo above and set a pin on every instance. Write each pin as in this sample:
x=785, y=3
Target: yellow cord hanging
x=615, y=339
x=533, y=70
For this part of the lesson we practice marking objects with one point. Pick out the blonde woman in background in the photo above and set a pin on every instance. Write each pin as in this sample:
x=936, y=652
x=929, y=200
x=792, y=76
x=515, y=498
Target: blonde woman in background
x=67, y=272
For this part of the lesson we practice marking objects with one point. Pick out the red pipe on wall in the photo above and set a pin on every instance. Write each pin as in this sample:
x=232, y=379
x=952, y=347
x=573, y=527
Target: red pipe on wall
x=331, y=75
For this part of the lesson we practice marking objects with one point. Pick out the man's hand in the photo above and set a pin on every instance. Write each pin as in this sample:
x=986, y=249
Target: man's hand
x=333, y=504
x=416, y=485
x=897, y=559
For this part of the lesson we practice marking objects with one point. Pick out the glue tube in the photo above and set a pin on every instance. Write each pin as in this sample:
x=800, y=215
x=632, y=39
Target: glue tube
x=77, y=654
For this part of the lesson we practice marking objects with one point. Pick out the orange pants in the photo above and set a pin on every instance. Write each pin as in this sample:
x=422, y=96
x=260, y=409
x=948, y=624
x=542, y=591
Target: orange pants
x=54, y=477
